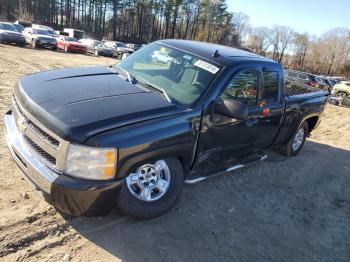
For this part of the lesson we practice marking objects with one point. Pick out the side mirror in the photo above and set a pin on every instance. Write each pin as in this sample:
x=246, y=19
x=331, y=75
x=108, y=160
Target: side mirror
x=231, y=108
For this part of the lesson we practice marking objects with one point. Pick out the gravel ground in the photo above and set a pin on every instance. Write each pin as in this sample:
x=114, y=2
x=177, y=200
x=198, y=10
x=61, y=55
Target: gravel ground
x=283, y=209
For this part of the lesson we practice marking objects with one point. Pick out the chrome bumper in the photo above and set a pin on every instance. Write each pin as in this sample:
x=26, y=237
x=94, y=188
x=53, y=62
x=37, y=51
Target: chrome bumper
x=38, y=174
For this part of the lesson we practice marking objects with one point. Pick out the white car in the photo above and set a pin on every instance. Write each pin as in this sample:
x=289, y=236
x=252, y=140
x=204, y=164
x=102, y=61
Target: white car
x=39, y=38
x=161, y=57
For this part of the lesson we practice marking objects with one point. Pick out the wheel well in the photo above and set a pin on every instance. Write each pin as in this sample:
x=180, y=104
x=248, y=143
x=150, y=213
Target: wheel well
x=312, y=122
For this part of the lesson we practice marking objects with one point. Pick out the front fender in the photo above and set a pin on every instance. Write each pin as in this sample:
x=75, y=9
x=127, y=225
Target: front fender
x=148, y=141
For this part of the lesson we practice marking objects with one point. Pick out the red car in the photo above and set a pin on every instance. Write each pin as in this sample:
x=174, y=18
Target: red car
x=70, y=44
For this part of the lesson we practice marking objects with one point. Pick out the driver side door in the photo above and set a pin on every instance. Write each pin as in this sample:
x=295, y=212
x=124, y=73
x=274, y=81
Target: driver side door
x=224, y=140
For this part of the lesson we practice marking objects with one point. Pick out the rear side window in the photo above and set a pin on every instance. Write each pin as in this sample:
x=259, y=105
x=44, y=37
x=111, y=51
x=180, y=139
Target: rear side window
x=243, y=87
x=270, y=87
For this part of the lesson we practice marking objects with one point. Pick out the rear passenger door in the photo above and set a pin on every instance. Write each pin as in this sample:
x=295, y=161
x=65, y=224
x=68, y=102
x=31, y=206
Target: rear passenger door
x=269, y=113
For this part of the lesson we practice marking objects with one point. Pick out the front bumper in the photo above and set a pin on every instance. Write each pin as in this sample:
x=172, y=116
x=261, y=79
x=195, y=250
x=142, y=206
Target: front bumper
x=77, y=49
x=45, y=44
x=70, y=195
x=105, y=53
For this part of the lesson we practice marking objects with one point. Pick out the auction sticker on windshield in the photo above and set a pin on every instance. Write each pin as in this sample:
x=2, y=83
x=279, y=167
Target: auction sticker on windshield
x=206, y=66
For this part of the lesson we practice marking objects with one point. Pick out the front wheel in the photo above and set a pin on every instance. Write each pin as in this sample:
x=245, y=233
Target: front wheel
x=295, y=144
x=152, y=189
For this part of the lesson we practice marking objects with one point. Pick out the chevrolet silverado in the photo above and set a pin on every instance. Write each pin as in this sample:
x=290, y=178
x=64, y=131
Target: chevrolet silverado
x=130, y=135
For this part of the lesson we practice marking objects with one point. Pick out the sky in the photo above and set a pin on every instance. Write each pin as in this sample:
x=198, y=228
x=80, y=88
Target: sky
x=312, y=16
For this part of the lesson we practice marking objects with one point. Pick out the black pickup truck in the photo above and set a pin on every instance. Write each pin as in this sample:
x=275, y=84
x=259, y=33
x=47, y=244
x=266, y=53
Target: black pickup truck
x=130, y=135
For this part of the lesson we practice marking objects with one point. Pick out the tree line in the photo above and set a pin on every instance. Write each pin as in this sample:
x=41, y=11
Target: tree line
x=144, y=21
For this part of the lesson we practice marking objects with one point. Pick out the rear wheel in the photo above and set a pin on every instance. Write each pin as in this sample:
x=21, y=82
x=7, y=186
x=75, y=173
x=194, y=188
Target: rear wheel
x=295, y=144
x=152, y=189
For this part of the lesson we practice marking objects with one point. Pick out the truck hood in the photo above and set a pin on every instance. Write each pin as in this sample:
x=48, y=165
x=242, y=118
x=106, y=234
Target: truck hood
x=45, y=37
x=78, y=103
x=125, y=49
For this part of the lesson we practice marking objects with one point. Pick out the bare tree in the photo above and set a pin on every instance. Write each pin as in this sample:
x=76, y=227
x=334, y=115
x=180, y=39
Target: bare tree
x=241, y=26
x=21, y=13
x=301, y=45
x=259, y=40
x=280, y=39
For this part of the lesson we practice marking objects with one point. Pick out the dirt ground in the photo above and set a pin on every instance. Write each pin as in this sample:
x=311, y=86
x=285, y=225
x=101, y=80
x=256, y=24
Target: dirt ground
x=283, y=209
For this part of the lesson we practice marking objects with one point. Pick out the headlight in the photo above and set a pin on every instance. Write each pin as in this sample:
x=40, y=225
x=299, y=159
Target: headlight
x=91, y=163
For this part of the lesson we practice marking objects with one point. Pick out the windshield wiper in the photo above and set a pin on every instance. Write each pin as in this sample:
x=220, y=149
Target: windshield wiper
x=161, y=90
x=128, y=76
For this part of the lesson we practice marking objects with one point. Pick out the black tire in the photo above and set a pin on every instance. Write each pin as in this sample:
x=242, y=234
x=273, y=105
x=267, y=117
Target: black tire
x=132, y=206
x=287, y=149
x=54, y=48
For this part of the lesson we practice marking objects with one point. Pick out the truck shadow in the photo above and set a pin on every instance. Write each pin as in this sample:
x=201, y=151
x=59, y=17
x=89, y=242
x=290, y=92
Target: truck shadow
x=294, y=209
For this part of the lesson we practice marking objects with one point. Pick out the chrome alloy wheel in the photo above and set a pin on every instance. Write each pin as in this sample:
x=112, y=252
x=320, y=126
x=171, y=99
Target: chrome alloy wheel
x=150, y=182
x=298, y=139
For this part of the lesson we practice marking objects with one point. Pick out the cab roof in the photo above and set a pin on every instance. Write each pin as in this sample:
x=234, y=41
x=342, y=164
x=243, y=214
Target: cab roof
x=227, y=55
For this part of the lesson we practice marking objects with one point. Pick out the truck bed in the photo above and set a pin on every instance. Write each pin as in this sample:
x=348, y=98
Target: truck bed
x=295, y=88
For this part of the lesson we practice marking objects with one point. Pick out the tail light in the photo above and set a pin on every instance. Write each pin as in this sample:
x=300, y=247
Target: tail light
x=312, y=84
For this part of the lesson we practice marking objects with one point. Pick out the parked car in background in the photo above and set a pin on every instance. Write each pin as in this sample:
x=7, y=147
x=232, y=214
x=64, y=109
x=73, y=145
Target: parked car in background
x=134, y=47
x=342, y=89
x=70, y=44
x=10, y=35
x=39, y=38
x=52, y=33
x=19, y=27
x=330, y=82
x=322, y=83
x=120, y=49
x=300, y=77
x=96, y=47
x=161, y=57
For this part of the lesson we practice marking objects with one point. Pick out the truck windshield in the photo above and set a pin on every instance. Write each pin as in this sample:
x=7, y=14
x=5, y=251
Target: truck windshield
x=40, y=32
x=181, y=76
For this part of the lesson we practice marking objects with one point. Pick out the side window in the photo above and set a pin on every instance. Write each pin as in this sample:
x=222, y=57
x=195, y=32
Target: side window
x=243, y=87
x=270, y=87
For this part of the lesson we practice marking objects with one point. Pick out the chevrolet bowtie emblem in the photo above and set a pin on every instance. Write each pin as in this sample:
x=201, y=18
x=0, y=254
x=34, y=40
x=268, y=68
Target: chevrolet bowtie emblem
x=21, y=125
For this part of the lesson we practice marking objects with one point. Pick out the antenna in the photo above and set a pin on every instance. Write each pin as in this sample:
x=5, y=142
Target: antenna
x=216, y=53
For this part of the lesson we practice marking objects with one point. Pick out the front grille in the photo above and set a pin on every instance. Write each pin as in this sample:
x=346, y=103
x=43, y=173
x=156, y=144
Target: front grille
x=43, y=134
x=39, y=141
x=41, y=152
